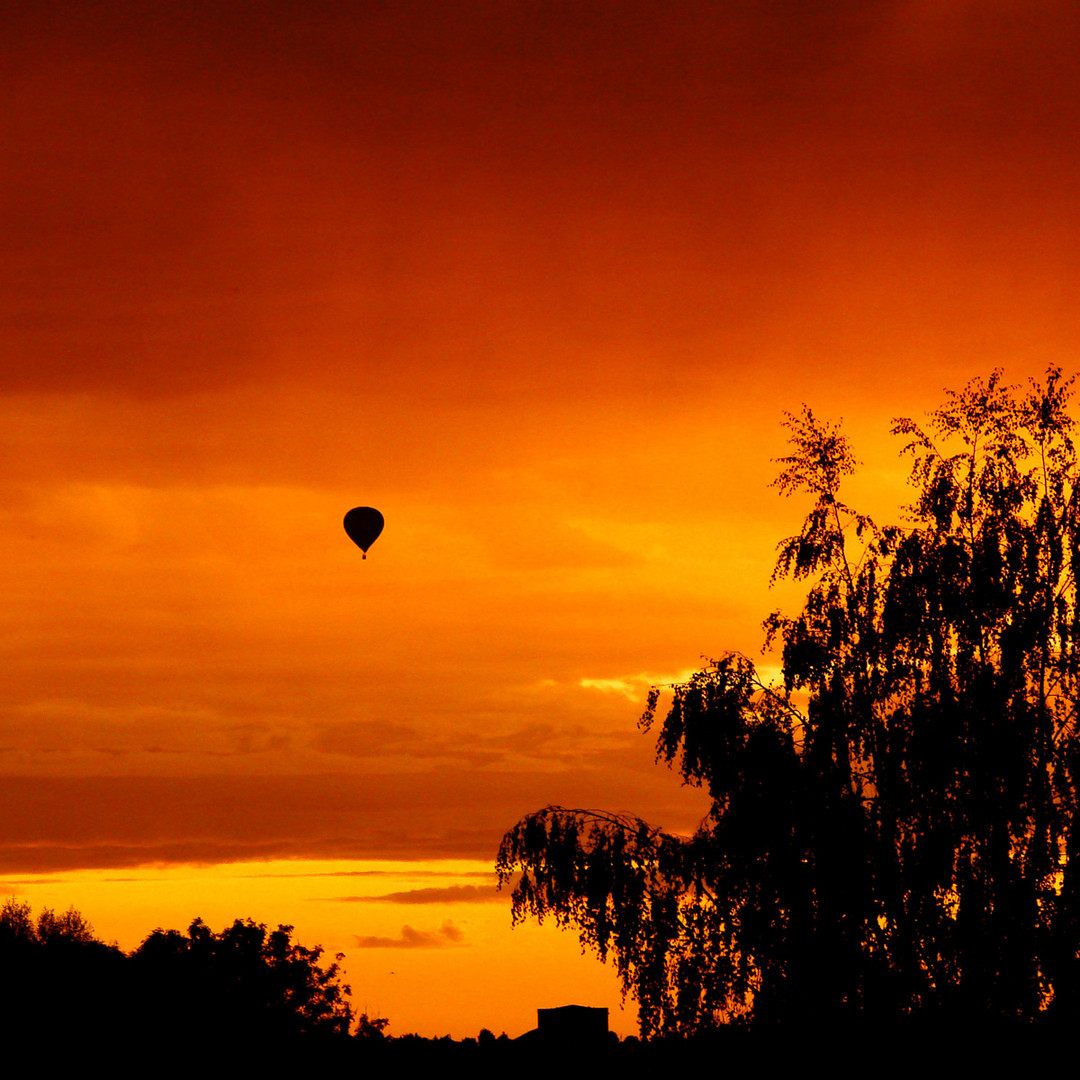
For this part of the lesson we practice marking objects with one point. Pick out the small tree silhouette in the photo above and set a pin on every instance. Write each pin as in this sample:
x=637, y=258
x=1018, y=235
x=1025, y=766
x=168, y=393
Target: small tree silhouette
x=246, y=989
x=58, y=978
x=894, y=825
x=244, y=984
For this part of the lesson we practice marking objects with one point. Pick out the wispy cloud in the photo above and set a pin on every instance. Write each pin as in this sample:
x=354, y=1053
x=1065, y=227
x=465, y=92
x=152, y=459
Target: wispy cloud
x=411, y=938
x=450, y=894
x=635, y=687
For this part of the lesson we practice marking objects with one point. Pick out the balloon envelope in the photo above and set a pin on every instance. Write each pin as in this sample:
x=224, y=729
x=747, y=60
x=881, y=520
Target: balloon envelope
x=363, y=524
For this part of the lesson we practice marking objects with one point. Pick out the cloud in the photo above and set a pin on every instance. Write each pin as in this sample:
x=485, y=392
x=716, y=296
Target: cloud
x=450, y=894
x=411, y=938
x=635, y=687
x=384, y=873
x=65, y=823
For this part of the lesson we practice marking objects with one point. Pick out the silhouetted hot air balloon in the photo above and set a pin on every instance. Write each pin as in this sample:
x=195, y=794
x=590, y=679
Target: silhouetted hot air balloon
x=363, y=524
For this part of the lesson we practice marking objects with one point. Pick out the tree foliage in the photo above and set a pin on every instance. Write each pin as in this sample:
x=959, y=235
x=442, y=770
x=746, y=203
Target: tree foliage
x=57, y=976
x=893, y=825
x=245, y=982
x=19, y=928
x=246, y=988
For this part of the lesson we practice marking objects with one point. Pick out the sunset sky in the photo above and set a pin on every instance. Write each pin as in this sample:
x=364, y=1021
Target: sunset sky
x=537, y=279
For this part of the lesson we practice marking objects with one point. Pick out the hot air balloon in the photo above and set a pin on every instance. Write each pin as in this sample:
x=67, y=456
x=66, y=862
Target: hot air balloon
x=363, y=524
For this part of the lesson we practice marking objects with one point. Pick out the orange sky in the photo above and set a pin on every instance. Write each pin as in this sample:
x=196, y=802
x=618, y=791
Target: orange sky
x=535, y=278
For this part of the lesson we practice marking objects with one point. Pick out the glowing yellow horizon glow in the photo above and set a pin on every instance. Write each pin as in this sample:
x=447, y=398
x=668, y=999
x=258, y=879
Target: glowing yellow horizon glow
x=457, y=968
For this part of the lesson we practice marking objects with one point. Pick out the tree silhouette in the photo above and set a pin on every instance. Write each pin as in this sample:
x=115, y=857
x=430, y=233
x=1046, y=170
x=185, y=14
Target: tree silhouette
x=247, y=990
x=893, y=826
x=58, y=978
x=246, y=984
